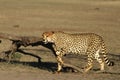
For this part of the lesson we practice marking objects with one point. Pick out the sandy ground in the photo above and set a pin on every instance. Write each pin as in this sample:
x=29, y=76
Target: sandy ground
x=32, y=17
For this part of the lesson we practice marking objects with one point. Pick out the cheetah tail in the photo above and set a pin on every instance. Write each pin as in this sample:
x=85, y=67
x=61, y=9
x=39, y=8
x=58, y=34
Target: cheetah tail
x=107, y=61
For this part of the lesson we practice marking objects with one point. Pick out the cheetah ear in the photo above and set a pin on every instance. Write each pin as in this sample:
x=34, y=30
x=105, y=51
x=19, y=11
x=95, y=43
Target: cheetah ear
x=52, y=32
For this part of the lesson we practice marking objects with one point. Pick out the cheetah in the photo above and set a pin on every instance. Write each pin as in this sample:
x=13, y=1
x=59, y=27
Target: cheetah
x=90, y=44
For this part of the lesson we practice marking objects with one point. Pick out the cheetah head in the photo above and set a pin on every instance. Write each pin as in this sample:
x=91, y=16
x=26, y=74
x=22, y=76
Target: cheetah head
x=48, y=37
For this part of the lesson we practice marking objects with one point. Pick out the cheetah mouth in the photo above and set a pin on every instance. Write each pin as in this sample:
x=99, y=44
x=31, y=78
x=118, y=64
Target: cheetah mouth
x=45, y=41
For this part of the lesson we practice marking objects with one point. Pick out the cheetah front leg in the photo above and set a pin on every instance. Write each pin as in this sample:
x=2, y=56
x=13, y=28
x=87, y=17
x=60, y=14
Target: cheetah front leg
x=60, y=63
x=59, y=58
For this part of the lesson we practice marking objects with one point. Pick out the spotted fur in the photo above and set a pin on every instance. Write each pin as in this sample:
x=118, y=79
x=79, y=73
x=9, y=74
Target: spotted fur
x=83, y=43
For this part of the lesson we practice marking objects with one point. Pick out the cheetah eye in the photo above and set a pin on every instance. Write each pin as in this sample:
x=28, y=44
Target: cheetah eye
x=46, y=36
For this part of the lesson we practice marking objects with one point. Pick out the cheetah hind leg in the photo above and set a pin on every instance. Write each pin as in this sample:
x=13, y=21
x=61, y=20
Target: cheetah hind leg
x=90, y=60
x=89, y=65
x=101, y=62
x=91, y=50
